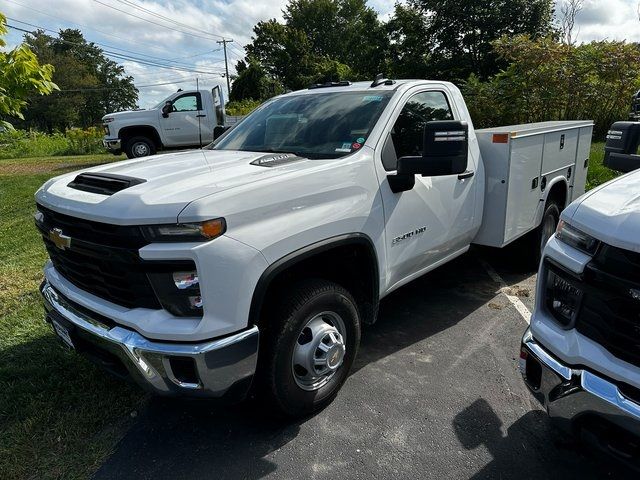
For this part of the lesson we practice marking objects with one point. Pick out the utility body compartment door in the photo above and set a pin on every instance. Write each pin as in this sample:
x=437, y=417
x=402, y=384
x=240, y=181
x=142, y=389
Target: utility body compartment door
x=579, y=177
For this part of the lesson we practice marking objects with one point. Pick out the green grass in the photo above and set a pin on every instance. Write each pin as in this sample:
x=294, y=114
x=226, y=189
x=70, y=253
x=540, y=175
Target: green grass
x=59, y=415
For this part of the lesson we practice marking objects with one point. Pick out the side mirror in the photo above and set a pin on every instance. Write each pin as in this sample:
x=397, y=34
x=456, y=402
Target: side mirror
x=167, y=109
x=218, y=130
x=621, y=149
x=445, y=151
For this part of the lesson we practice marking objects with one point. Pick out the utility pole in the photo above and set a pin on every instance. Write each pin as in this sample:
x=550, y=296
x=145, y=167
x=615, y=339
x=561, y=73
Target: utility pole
x=226, y=65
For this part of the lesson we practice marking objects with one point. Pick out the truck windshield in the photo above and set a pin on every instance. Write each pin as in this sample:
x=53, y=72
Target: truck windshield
x=322, y=125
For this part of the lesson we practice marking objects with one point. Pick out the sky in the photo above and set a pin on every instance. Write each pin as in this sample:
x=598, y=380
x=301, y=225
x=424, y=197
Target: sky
x=188, y=43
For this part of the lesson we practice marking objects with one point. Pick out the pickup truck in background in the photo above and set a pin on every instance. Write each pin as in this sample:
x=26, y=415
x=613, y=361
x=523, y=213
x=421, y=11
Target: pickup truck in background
x=255, y=262
x=581, y=355
x=188, y=118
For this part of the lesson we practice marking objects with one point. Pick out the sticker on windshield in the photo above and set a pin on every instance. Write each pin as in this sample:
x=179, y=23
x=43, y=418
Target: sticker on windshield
x=360, y=140
x=355, y=145
x=346, y=148
x=372, y=98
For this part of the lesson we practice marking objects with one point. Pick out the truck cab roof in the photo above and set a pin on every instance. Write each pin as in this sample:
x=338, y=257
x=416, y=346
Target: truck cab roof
x=363, y=87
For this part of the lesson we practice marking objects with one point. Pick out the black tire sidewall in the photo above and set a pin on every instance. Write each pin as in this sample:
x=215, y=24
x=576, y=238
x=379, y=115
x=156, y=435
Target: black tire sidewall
x=291, y=399
x=132, y=141
x=551, y=209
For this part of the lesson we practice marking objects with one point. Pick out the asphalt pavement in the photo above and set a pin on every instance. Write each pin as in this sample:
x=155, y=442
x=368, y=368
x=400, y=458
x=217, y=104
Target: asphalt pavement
x=435, y=393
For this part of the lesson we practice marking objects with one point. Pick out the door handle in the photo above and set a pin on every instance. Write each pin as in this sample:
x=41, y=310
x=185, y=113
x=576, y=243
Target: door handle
x=201, y=115
x=467, y=174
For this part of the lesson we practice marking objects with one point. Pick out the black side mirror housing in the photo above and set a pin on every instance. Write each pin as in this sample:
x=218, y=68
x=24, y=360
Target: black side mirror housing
x=167, y=109
x=218, y=130
x=445, y=151
x=621, y=149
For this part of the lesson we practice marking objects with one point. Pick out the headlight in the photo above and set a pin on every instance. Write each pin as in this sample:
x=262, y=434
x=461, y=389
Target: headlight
x=562, y=298
x=185, y=232
x=575, y=238
x=108, y=120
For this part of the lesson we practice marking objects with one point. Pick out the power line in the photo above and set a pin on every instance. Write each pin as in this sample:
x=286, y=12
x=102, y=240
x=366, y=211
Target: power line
x=97, y=43
x=152, y=47
x=122, y=56
x=151, y=21
x=168, y=19
x=101, y=89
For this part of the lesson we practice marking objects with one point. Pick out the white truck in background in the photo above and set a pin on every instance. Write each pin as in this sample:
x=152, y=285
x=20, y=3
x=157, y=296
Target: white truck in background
x=188, y=118
x=254, y=262
x=581, y=355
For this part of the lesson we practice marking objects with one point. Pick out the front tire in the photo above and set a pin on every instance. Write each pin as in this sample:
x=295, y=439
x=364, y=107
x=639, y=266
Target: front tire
x=543, y=233
x=137, y=147
x=309, y=346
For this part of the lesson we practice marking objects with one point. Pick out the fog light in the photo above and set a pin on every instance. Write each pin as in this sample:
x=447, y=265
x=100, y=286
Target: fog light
x=184, y=280
x=562, y=299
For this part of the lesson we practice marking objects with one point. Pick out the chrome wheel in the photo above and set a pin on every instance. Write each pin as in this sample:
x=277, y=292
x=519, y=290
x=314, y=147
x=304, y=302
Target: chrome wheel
x=140, y=149
x=319, y=351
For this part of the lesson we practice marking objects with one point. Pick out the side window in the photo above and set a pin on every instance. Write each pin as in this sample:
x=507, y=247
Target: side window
x=187, y=103
x=406, y=134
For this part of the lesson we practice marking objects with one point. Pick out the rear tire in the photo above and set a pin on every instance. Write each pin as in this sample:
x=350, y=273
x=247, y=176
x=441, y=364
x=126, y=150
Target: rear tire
x=137, y=147
x=308, y=348
x=541, y=235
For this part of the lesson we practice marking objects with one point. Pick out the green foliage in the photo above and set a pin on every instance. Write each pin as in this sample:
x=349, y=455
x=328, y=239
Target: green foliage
x=21, y=76
x=456, y=37
x=253, y=83
x=76, y=141
x=242, y=107
x=320, y=40
x=91, y=84
x=547, y=80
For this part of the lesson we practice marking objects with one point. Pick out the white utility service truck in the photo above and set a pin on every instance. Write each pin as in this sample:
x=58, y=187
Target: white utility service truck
x=257, y=260
x=188, y=118
x=581, y=355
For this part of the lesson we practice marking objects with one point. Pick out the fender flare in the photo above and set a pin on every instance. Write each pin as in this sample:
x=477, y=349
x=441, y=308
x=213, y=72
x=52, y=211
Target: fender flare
x=289, y=260
x=545, y=197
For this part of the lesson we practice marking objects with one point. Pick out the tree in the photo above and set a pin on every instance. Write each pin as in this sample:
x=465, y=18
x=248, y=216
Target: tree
x=550, y=80
x=91, y=84
x=22, y=76
x=569, y=10
x=320, y=40
x=457, y=36
x=253, y=83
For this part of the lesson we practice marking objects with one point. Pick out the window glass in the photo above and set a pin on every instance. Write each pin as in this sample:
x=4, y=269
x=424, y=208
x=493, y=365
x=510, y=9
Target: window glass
x=186, y=103
x=407, y=132
x=319, y=125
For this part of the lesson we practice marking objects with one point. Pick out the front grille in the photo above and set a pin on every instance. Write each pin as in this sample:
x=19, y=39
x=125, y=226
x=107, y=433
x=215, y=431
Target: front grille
x=102, y=259
x=610, y=309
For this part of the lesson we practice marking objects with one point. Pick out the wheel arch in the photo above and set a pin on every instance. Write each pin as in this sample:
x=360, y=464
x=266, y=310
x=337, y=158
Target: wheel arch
x=349, y=260
x=149, y=131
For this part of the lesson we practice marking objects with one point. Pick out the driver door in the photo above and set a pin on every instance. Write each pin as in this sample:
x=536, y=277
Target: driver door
x=434, y=219
x=182, y=125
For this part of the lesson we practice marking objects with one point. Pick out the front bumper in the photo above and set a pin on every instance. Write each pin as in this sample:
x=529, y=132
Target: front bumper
x=579, y=400
x=112, y=144
x=217, y=368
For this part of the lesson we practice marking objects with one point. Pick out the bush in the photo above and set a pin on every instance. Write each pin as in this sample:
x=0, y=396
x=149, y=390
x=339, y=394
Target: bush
x=241, y=107
x=547, y=80
x=24, y=143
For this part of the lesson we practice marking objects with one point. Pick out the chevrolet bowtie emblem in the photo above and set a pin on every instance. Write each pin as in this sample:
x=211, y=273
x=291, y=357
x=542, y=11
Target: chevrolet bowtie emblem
x=59, y=239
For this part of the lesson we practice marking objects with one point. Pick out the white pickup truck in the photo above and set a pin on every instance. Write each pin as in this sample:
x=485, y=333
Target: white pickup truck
x=188, y=118
x=581, y=355
x=258, y=259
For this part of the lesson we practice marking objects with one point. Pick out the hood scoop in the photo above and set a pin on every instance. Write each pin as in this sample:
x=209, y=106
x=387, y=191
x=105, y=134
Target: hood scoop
x=275, y=160
x=103, y=183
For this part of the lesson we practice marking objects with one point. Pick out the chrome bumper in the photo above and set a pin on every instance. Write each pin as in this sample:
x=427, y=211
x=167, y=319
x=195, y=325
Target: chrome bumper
x=216, y=368
x=112, y=144
x=573, y=397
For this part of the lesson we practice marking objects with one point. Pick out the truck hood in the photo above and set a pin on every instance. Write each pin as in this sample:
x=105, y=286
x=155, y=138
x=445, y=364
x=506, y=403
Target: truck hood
x=130, y=115
x=611, y=212
x=170, y=182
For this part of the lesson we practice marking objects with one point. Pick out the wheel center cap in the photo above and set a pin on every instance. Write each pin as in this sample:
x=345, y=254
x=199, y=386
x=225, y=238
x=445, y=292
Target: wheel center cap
x=335, y=356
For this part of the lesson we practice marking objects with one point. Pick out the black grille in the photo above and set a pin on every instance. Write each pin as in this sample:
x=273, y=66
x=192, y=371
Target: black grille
x=610, y=310
x=102, y=259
